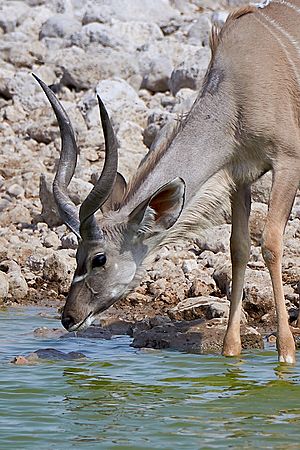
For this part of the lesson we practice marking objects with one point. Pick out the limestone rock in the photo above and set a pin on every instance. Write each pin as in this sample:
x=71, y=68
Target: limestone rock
x=4, y=286
x=60, y=267
x=60, y=25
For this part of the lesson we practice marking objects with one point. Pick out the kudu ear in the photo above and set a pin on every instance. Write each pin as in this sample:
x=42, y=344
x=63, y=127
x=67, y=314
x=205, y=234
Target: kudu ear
x=117, y=194
x=160, y=211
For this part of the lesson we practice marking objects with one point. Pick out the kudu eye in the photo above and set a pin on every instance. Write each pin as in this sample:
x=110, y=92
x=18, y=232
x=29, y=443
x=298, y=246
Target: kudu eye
x=99, y=260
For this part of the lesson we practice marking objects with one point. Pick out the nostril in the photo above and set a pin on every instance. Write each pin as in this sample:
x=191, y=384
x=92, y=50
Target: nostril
x=67, y=322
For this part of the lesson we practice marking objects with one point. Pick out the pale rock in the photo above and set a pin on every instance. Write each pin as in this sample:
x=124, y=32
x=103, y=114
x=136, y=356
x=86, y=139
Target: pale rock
x=78, y=190
x=4, y=286
x=18, y=214
x=189, y=265
x=59, y=267
x=83, y=69
x=157, y=77
x=12, y=14
x=218, y=18
x=257, y=221
x=199, y=32
x=122, y=101
x=51, y=240
x=15, y=190
x=60, y=25
x=260, y=190
x=157, y=11
x=190, y=72
x=69, y=241
x=258, y=294
x=216, y=239
x=207, y=307
x=17, y=284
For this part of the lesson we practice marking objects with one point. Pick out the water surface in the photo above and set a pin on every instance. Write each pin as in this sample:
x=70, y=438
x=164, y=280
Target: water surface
x=127, y=399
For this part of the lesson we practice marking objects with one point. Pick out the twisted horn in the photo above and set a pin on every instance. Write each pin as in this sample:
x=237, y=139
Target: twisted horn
x=67, y=162
x=105, y=183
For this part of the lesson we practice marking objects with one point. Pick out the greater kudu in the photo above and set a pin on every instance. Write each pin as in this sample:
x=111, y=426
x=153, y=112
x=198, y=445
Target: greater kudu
x=244, y=123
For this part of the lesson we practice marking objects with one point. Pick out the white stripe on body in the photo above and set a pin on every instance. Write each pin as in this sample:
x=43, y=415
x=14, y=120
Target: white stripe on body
x=284, y=47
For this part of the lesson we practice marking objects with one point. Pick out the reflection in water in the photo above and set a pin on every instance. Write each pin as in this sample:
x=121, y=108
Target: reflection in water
x=121, y=398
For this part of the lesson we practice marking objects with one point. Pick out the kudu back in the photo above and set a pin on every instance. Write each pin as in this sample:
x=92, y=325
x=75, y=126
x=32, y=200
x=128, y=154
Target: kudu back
x=244, y=122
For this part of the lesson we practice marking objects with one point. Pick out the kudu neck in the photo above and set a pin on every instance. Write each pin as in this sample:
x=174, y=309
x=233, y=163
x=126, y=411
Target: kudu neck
x=201, y=148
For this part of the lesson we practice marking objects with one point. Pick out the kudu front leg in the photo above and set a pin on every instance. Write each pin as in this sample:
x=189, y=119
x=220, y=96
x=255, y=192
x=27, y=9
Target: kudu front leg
x=285, y=184
x=240, y=252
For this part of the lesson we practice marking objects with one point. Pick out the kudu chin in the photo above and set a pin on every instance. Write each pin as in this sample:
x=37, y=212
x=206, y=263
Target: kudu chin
x=244, y=122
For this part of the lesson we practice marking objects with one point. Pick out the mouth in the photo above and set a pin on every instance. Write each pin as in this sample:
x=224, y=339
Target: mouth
x=84, y=324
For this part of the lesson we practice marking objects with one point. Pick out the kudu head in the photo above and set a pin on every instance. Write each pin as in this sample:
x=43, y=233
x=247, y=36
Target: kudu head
x=111, y=251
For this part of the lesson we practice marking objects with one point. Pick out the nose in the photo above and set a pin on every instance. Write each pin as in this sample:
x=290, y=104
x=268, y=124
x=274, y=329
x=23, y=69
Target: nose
x=67, y=322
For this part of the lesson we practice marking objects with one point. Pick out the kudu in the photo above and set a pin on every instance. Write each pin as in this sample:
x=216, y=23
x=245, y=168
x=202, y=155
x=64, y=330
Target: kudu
x=244, y=122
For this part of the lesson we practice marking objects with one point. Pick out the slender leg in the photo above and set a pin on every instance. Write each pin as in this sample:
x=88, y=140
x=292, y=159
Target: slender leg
x=285, y=184
x=240, y=251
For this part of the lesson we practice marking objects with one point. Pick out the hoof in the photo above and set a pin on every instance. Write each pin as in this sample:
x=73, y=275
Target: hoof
x=287, y=359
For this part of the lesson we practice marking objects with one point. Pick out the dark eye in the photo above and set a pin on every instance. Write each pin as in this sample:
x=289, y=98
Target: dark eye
x=99, y=260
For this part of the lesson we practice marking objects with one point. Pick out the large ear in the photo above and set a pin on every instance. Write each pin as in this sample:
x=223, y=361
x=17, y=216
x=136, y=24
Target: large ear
x=161, y=210
x=117, y=194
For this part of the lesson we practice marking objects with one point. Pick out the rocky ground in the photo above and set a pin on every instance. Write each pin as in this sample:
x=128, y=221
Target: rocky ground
x=146, y=59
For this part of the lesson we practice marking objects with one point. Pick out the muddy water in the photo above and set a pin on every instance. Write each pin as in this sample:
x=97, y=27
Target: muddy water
x=123, y=398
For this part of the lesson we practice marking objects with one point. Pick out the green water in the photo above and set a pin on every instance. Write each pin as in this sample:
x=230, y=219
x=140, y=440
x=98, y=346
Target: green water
x=123, y=398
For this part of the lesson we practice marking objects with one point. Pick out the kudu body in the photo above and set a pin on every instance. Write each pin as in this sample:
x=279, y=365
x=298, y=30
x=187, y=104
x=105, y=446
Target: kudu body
x=245, y=122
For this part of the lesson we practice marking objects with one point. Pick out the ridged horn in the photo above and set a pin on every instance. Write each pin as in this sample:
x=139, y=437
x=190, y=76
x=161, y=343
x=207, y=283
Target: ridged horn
x=105, y=183
x=67, y=162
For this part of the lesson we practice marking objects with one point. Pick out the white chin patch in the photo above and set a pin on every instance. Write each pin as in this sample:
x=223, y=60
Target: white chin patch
x=81, y=326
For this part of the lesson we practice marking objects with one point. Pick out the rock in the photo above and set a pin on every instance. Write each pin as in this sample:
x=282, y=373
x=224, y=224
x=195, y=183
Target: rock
x=196, y=336
x=69, y=241
x=18, y=287
x=78, y=190
x=121, y=101
x=18, y=214
x=222, y=276
x=218, y=18
x=4, y=286
x=258, y=294
x=260, y=190
x=48, y=333
x=200, y=307
x=60, y=25
x=20, y=361
x=257, y=221
x=60, y=267
x=15, y=190
x=216, y=239
x=200, y=30
x=12, y=15
x=202, y=285
x=82, y=70
x=189, y=265
x=127, y=35
x=157, y=11
x=51, y=240
x=50, y=354
x=93, y=332
x=190, y=73
x=157, y=77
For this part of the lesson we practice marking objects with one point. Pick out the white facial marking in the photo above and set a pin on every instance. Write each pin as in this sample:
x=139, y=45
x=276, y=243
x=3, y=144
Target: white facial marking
x=81, y=326
x=79, y=278
x=261, y=5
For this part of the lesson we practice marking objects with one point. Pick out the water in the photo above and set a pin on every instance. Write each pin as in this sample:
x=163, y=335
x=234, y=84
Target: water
x=128, y=399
